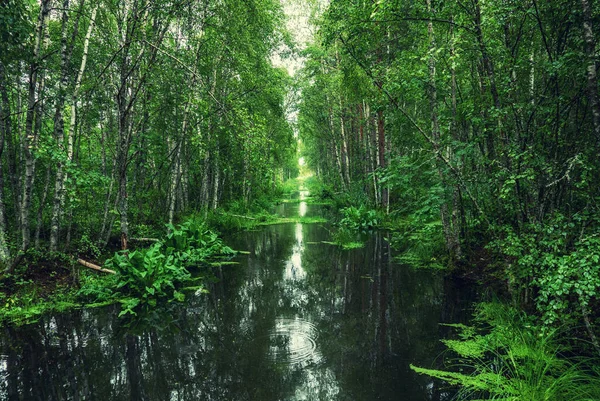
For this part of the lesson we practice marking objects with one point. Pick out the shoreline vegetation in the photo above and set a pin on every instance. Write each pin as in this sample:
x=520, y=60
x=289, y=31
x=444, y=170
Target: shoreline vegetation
x=58, y=282
x=536, y=357
x=469, y=131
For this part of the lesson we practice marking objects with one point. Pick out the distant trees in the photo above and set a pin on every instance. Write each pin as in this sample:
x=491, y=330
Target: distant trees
x=481, y=119
x=134, y=112
x=488, y=107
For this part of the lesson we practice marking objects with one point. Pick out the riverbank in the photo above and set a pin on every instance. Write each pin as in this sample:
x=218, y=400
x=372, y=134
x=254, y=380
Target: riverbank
x=294, y=319
x=55, y=282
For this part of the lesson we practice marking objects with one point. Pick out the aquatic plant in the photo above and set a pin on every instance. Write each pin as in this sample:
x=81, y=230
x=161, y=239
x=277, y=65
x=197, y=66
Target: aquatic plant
x=359, y=218
x=148, y=275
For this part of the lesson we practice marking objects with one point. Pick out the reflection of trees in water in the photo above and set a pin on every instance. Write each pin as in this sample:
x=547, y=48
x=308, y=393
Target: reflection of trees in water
x=373, y=317
x=379, y=317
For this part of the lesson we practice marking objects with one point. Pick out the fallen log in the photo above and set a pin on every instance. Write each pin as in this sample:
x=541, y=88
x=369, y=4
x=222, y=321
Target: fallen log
x=95, y=267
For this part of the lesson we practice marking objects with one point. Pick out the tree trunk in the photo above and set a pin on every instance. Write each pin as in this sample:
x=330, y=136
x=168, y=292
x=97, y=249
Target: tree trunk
x=176, y=165
x=40, y=213
x=345, y=156
x=61, y=174
x=371, y=139
x=5, y=131
x=204, y=189
x=34, y=115
x=216, y=179
x=436, y=136
x=131, y=82
x=488, y=69
x=334, y=145
x=13, y=156
x=381, y=153
x=457, y=218
x=590, y=52
x=59, y=126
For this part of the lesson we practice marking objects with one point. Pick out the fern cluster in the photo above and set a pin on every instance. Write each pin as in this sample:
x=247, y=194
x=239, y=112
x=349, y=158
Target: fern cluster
x=508, y=358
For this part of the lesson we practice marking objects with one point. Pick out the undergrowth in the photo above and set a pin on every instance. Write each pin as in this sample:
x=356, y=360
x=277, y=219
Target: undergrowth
x=145, y=277
x=507, y=357
x=159, y=273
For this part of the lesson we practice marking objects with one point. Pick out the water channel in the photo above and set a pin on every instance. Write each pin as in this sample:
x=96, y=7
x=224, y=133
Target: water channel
x=295, y=320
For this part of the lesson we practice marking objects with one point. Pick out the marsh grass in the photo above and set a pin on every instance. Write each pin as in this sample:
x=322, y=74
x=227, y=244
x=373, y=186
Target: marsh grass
x=507, y=357
x=230, y=222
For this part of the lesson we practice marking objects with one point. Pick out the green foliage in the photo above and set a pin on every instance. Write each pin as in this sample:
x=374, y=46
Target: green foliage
x=348, y=239
x=289, y=188
x=94, y=289
x=87, y=247
x=563, y=270
x=508, y=358
x=158, y=273
x=192, y=244
x=148, y=275
x=23, y=301
x=421, y=243
x=15, y=26
x=359, y=219
x=318, y=189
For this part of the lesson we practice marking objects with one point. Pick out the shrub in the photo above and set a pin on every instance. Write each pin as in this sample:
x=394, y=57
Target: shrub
x=560, y=264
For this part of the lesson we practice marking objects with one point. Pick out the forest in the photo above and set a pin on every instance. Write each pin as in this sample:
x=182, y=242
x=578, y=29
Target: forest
x=469, y=130
x=127, y=111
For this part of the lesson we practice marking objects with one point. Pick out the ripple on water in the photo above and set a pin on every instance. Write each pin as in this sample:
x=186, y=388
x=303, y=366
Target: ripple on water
x=294, y=341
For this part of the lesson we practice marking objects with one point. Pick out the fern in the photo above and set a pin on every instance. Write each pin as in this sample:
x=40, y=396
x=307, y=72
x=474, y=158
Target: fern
x=511, y=360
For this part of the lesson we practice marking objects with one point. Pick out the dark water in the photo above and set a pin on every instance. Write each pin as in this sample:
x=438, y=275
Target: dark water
x=295, y=320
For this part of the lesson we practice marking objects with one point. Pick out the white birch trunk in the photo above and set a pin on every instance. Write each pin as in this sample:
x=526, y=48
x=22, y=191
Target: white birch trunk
x=36, y=86
x=61, y=173
x=5, y=131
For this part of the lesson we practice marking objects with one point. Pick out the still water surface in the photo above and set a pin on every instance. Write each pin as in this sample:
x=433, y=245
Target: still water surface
x=296, y=320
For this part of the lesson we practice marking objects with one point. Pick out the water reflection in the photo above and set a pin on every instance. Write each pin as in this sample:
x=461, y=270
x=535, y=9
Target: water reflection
x=296, y=320
x=293, y=266
x=293, y=341
x=303, y=205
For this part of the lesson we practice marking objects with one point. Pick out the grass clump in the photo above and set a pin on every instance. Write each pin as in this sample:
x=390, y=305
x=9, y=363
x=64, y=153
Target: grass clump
x=361, y=219
x=508, y=357
x=230, y=222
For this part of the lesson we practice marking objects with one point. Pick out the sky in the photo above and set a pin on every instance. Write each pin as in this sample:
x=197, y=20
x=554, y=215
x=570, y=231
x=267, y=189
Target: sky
x=298, y=14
